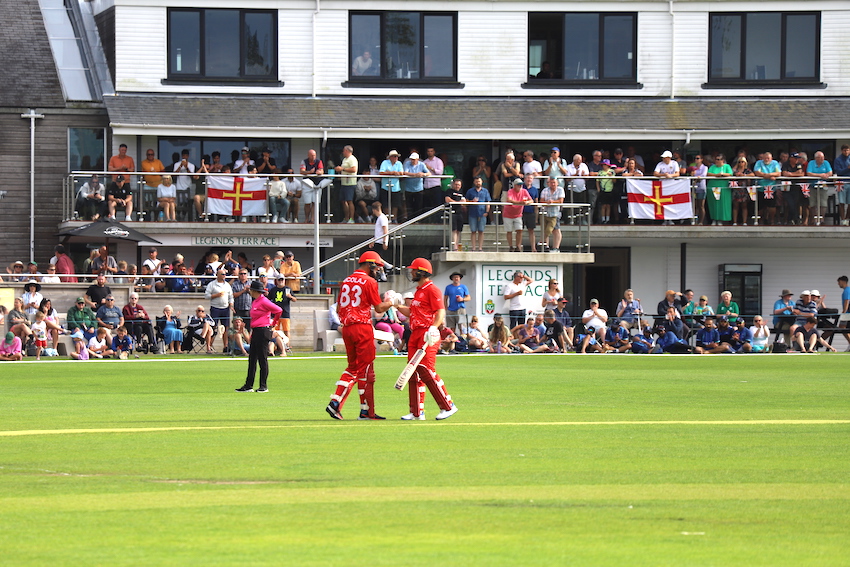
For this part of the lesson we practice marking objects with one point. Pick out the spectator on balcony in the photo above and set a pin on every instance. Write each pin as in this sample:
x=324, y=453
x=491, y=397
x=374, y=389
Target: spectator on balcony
x=182, y=283
x=433, y=185
x=794, y=167
x=718, y=195
x=348, y=182
x=51, y=276
x=453, y=196
x=91, y=199
x=391, y=186
x=312, y=184
x=103, y=263
x=166, y=195
x=667, y=168
x=768, y=170
x=151, y=165
x=268, y=269
x=183, y=183
x=508, y=171
x=120, y=195
x=842, y=194
x=266, y=164
x=242, y=164
x=121, y=163
x=294, y=192
x=740, y=191
x=699, y=169
x=820, y=169
x=365, y=193
x=278, y=202
x=16, y=272
x=64, y=264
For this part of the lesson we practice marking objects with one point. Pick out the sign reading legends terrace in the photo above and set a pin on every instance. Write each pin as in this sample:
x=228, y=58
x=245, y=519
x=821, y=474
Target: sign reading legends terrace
x=494, y=278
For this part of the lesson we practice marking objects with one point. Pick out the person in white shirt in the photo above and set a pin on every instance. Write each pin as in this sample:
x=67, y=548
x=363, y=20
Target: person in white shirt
x=184, y=182
x=597, y=318
x=667, y=168
x=531, y=166
x=293, y=194
x=382, y=226
x=761, y=334
x=514, y=292
x=241, y=165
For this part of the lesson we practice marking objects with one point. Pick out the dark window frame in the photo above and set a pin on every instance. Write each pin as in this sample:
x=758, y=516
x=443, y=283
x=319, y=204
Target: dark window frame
x=392, y=82
x=741, y=81
x=599, y=82
x=243, y=79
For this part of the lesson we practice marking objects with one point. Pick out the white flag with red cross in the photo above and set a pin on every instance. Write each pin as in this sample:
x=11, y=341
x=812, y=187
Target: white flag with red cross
x=246, y=196
x=659, y=199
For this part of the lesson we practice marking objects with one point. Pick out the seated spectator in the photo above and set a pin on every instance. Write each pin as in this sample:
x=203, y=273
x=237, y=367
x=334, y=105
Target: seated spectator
x=563, y=315
x=278, y=203
x=138, y=321
x=629, y=310
x=80, y=316
x=120, y=196
x=806, y=337
x=145, y=281
x=498, y=335
x=700, y=312
x=51, y=320
x=17, y=321
x=804, y=308
x=31, y=297
x=673, y=323
x=617, y=338
x=180, y=284
x=448, y=339
x=32, y=271
x=670, y=343
x=239, y=337
x=166, y=195
x=122, y=343
x=389, y=322
x=202, y=325
x=365, y=194
x=109, y=317
x=783, y=315
x=10, y=348
x=597, y=318
x=81, y=350
x=730, y=335
x=642, y=343
x=51, y=276
x=587, y=340
x=169, y=326
x=554, y=336
x=16, y=272
x=333, y=317
x=91, y=200
x=527, y=337
x=760, y=334
x=708, y=339
x=100, y=345
x=475, y=339
x=671, y=299
x=745, y=336
x=727, y=306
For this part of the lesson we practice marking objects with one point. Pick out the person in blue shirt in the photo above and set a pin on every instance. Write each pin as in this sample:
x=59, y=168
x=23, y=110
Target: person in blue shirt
x=455, y=297
x=122, y=343
x=708, y=339
x=744, y=335
x=821, y=169
x=841, y=167
x=642, y=342
x=669, y=342
x=477, y=214
x=783, y=315
x=617, y=337
x=390, y=186
x=415, y=171
x=768, y=169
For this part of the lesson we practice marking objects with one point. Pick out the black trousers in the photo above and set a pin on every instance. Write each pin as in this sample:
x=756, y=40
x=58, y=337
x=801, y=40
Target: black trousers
x=259, y=354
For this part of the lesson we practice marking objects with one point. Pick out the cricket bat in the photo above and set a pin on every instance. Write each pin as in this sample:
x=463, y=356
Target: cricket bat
x=408, y=371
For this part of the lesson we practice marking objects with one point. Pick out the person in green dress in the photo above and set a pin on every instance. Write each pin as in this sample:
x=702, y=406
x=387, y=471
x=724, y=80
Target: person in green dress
x=718, y=196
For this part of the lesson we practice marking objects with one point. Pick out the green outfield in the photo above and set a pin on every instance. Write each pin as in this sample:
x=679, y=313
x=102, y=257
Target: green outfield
x=619, y=460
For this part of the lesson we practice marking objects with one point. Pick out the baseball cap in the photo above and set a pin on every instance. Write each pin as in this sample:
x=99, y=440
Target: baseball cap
x=10, y=336
x=555, y=149
x=606, y=162
x=289, y=254
x=517, y=181
x=246, y=149
x=280, y=277
x=667, y=153
x=80, y=300
x=795, y=154
x=414, y=155
x=596, y=301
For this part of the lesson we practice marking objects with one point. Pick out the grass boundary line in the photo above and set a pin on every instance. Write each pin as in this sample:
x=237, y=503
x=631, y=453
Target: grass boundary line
x=32, y=432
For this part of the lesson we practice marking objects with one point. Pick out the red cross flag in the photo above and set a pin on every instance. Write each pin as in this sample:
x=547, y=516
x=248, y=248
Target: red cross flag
x=237, y=196
x=668, y=199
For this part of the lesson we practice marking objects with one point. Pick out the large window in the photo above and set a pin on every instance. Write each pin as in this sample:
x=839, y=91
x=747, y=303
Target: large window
x=222, y=45
x=764, y=48
x=169, y=149
x=86, y=149
x=403, y=46
x=582, y=48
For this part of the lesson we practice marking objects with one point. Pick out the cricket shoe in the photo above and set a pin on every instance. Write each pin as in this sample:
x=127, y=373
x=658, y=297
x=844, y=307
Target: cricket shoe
x=244, y=389
x=364, y=416
x=447, y=413
x=411, y=417
x=262, y=389
x=333, y=410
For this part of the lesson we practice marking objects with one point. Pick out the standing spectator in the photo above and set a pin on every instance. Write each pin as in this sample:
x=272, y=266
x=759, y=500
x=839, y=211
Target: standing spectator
x=39, y=331
x=120, y=195
x=281, y=296
x=152, y=165
x=184, y=182
x=264, y=316
x=718, y=197
x=220, y=294
x=477, y=214
x=740, y=191
x=455, y=195
x=266, y=164
x=91, y=199
x=556, y=166
x=138, y=321
x=532, y=167
x=845, y=294
x=596, y=318
x=64, y=264
x=553, y=194
x=699, y=169
x=390, y=186
x=576, y=169
x=348, y=183
x=313, y=183
x=81, y=317
x=667, y=169
x=516, y=197
x=529, y=212
x=104, y=264
x=382, y=227
x=121, y=162
x=426, y=313
x=242, y=164
x=607, y=197
x=842, y=190
x=552, y=296
x=509, y=171
x=594, y=166
x=291, y=270
x=10, y=348
x=793, y=168
x=268, y=269
x=153, y=262
x=241, y=297
x=629, y=310
x=820, y=169
x=433, y=185
x=51, y=320
x=768, y=169
x=483, y=171
x=414, y=172
x=180, y=284
x=358, y=294
x=455, y=296
x=31, y=297
x=727, y=306
x=365, y=193
x=294, y=192
x=514, y=292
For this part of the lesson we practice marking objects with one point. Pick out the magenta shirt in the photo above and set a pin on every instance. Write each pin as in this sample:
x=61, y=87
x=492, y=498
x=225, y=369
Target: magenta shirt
x=10, y=348
x=264, y=313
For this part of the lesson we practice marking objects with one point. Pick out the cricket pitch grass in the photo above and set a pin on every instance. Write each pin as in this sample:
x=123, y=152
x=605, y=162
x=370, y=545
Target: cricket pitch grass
x=552, y=460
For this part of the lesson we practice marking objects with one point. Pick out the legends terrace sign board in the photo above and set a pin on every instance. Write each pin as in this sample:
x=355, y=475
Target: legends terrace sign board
x=229, y=240
x=494, y=278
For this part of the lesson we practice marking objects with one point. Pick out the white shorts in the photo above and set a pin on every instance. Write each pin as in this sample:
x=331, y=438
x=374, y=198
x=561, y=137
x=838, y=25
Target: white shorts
x=308, y=194
x=512, y=225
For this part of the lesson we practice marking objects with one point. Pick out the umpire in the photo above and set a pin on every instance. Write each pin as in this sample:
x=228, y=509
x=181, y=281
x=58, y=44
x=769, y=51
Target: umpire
x=264, y=317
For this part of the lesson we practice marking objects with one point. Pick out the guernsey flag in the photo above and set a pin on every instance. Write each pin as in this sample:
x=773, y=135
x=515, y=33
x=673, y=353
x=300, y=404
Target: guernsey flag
x=245, y=196
x=667, y=199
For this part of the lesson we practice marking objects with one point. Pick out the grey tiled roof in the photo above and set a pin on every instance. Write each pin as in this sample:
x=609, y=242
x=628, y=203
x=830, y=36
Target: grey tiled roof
x=28, y=75
x=832, y=116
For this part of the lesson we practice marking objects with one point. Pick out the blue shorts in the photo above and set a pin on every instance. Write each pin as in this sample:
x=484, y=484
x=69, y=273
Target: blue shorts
x=477, y=224
x=843, y=197
x=346, y=192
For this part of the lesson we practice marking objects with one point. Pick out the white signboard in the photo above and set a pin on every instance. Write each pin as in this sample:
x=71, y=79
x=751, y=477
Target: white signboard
x=494, y=278
x=228, y=240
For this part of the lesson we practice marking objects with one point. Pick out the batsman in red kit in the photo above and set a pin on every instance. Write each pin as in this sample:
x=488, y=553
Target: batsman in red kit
x=427, y=312
x=358, y=293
